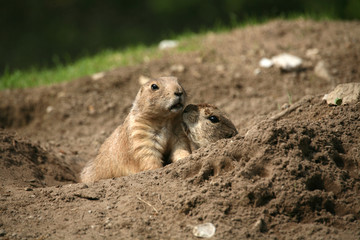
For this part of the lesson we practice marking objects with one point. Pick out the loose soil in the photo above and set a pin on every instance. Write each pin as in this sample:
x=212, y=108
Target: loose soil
x=292, y=172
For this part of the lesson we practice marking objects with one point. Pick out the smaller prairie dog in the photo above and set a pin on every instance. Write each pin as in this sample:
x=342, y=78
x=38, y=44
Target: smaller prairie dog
x=150, y=136
x=204, y=124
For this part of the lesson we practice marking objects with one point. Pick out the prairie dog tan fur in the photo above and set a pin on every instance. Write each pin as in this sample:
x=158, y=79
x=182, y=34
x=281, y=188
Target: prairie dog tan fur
x=150, y=135
x=205, y=124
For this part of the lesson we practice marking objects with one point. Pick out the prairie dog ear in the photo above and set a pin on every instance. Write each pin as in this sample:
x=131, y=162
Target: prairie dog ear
x=169, y=78
x=143, y=80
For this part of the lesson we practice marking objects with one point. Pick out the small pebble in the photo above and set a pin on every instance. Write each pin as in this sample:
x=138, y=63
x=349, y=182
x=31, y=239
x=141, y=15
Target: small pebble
x=260, y=225
x=167, y=44
x=98, y=76
x=266, y=63
x=49, y=109
x=206, y=230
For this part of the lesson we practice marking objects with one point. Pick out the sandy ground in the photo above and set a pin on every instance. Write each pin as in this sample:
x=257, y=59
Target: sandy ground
x=292, y=172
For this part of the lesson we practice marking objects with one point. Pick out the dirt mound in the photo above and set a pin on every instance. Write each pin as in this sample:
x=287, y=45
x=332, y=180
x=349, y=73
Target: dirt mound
x=26, y=164
x=292, y=172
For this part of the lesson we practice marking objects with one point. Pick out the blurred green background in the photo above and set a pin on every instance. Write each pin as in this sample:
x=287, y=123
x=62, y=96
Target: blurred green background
x=44, y=33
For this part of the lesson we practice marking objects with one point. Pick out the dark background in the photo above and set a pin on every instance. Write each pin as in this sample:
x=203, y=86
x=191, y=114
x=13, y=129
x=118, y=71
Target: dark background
x=42, y=33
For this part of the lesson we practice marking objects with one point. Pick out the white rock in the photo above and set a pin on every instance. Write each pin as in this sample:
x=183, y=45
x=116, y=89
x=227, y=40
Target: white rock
x=266, y=63
x=206, y=230
x=287, y=61
x=347, y=92
x=49, y=109
x=97, y=76
x=166, y=44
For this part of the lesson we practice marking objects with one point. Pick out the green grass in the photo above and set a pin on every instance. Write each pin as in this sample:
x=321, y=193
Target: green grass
x=102, y=61
x=110, y=59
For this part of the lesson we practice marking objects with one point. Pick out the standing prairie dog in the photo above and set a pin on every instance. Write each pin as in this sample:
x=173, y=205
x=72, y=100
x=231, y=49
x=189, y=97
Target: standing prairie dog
x=150, y=135
x=205, y=124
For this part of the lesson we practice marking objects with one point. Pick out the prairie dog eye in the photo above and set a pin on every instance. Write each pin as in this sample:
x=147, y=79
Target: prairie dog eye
x=214, y=119
x=154, y=87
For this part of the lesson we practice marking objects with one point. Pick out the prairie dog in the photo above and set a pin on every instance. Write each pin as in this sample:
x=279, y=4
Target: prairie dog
x=150, y=135
x=205, y=124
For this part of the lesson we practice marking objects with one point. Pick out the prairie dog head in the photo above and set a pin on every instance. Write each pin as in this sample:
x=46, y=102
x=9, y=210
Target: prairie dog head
x=162, y=96
x=205, y=124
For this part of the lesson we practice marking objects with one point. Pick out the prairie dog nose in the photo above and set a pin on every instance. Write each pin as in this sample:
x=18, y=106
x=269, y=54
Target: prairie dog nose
x=178, y=93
